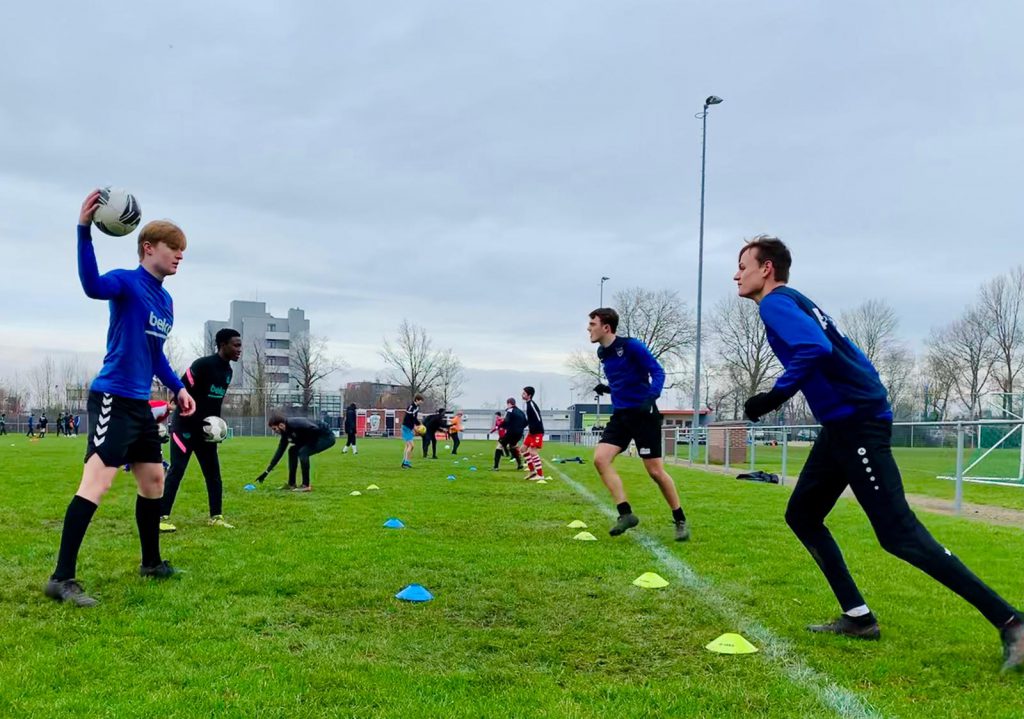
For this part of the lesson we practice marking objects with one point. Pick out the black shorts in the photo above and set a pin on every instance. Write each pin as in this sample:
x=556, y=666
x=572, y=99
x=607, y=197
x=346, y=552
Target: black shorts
x=511, y=439
x=123, y=431
x=640, y=426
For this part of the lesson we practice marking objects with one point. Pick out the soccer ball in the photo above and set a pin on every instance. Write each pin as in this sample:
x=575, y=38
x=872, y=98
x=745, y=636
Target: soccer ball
x=420, y=430
x=215, y=429
x=119, y=212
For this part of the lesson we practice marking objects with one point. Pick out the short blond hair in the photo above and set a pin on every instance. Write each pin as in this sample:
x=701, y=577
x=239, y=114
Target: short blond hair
x=164, y=231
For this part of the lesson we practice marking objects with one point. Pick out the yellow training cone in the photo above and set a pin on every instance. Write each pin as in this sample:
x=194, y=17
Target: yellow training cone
x=372, y=487
x=541, y=481
x=355, y=493
x=585, y=537
x=731, y=644
x=650, y=580
x=576, y=524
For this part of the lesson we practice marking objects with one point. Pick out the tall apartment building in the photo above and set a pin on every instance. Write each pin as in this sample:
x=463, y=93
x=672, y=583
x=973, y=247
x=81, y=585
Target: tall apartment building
x=273, y=335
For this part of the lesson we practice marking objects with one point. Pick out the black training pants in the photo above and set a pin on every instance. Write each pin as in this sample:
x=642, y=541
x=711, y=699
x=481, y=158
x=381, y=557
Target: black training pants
x=183, y=445
x=300, y=454
x=430, y=442
x=858, y=454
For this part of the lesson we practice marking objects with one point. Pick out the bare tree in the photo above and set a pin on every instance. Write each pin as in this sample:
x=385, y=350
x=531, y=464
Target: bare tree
x=584, y=371
x=256, y=377
x=1002, y=305
x=175, y=355
x=965, y=351
x=205, y=344
x=874, y=327
x=940, y=377
x=309, y=363
x=411, y=359
x=662, y=321
x=450, y=379
x=75, y=381
x=740, y=343
x=45, y=384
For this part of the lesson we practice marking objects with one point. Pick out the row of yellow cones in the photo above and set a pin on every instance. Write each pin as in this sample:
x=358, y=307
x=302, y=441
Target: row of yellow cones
x=728, y=643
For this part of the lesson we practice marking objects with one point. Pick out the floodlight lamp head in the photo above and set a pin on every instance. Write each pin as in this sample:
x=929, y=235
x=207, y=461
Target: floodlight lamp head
x=712, y=100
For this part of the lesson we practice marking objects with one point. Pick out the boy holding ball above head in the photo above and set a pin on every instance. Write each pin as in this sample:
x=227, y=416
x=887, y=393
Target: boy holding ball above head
x=853, y=450
x=635, y=380
x=123, y=429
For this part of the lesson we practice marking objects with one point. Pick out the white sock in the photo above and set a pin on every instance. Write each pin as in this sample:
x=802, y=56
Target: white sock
x=858, y=611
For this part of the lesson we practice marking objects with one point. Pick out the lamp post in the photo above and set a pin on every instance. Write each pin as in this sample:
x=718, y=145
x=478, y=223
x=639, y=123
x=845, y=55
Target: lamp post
x=703, y=117
x=600, y=304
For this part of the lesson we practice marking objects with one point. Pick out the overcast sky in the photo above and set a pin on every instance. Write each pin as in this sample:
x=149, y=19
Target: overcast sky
x=477, y=167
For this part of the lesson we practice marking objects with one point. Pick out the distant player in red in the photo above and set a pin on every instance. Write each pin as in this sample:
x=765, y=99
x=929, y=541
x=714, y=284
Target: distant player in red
x=534, y=436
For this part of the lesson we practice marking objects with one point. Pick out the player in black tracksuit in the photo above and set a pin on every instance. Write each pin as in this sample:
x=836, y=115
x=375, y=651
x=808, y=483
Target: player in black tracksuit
x=350, y=429
x=852, y=450
x=434, y=423
x=306, y=437
x=513, y=424
x=207, y=380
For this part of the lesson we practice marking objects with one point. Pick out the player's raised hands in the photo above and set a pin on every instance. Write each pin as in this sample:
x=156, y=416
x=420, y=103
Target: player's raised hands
x=89, y=205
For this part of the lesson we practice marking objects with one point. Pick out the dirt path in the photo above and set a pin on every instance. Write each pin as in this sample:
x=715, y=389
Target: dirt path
x=988, y=513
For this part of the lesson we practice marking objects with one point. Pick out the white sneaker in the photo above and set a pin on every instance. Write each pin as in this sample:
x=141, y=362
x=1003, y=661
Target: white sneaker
x=355, y=450
x=344, y=450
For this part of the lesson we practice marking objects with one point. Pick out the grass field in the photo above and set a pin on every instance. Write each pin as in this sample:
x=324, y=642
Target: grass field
x=919, y=466
x=293, y=613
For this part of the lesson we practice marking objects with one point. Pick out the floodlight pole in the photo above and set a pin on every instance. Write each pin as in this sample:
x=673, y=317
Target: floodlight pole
x=703, y=116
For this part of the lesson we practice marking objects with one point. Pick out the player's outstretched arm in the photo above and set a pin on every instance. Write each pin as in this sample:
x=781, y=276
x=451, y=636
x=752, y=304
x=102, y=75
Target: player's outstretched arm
x=96, y=286
x=281, y=447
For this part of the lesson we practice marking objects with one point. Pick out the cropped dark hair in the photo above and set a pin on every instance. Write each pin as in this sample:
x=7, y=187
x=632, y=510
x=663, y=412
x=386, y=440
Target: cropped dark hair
x=608, y=316
x=276, y=418
x=771, y=249
x=224, y=336
x=530, y=391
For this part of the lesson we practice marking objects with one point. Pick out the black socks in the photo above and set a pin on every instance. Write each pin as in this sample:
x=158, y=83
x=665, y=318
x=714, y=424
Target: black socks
x=147, y=518
x=76, y=521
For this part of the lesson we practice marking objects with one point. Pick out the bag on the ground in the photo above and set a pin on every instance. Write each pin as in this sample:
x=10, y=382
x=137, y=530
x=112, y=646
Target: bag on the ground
x=759, y=476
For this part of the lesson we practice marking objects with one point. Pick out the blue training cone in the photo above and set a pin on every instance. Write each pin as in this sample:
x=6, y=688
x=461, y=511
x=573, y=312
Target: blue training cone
x=414, y=593
x=249, y=487
x=394, y=523
x=472, y=469
x=451, y=477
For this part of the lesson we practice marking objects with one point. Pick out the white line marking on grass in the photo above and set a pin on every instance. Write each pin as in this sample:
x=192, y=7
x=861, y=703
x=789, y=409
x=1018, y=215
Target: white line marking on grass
x=844, y=702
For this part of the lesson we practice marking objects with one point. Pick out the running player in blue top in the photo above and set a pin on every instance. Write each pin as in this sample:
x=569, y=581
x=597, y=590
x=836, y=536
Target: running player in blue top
x=122, y=426
x=635, y=380
x=853, y=450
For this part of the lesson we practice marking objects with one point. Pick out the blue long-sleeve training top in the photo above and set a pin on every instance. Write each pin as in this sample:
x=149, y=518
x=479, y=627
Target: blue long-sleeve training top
x=141, y=316
x=837, y=379
x=633, y=374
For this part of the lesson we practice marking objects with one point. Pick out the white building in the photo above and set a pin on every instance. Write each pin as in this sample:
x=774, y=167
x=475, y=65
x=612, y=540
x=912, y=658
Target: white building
x=271, y=336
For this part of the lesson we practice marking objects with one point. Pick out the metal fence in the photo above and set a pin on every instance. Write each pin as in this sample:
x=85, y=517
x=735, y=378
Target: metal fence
x=964, y=453
x=995, y=446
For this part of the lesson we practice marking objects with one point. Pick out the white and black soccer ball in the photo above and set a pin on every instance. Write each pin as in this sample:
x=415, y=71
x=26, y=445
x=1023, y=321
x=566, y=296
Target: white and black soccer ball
x=215, y=429
x=119, y=212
